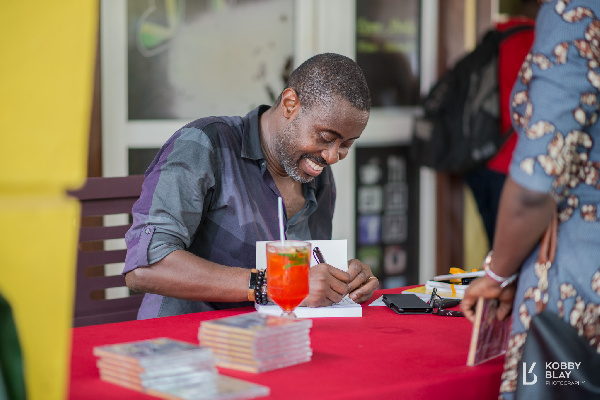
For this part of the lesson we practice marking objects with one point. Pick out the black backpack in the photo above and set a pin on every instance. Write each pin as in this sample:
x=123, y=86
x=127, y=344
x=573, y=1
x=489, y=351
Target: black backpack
x=460, y=128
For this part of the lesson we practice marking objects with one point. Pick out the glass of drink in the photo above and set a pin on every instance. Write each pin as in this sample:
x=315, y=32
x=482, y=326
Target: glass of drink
x=288, y=264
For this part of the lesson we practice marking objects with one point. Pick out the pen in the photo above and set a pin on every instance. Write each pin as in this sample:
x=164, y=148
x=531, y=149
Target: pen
x=463, y=281
x=318, y=255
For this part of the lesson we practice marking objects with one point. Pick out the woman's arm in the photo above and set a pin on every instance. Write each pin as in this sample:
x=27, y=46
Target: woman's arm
x=523, y=216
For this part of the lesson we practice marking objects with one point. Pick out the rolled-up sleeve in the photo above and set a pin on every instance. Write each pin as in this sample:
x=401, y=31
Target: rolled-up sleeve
x=169, y=210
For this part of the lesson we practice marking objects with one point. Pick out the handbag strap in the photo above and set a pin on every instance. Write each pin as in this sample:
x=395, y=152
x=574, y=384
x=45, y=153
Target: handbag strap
x=548, y=243
x=546, y=258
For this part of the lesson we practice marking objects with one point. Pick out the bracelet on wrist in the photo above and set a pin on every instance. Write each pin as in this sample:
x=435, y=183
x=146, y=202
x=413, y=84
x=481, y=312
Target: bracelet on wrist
x=257, y=287
x=503, y=281
x=260, y=293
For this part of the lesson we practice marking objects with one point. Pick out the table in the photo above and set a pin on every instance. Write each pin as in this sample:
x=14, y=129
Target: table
x=379, y=356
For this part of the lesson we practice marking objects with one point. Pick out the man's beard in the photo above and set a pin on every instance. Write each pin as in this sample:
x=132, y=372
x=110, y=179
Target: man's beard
x=285, y=144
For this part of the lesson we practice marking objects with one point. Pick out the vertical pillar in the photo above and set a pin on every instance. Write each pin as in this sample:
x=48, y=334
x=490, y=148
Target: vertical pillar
x=46, y=78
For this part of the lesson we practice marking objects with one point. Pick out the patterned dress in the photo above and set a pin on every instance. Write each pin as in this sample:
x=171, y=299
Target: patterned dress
x=555, y=107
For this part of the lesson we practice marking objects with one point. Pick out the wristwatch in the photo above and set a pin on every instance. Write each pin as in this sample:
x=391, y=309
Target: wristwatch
x=252, y=284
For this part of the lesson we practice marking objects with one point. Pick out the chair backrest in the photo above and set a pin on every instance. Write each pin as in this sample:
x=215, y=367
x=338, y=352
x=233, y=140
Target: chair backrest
x=102, y=199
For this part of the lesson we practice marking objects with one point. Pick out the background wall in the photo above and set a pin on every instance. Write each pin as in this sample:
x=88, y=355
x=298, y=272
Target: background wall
x=318, y=26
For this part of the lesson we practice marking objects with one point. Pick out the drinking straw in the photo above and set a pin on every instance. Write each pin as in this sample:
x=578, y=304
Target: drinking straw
x=280, y=212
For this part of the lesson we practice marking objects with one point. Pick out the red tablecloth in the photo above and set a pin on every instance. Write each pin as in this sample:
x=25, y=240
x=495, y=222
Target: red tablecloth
x=379, y=356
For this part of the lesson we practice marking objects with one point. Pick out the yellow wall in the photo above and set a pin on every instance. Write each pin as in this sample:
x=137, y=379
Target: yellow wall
x=47, y=50
x=476, y=245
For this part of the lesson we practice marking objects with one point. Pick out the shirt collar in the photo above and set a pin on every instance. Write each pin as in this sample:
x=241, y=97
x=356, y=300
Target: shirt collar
x=251, y=141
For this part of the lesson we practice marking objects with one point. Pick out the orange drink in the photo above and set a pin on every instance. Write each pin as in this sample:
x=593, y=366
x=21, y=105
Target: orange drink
x=288, y=265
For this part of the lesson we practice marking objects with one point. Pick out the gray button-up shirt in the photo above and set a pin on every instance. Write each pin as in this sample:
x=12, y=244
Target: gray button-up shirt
x=208, y=191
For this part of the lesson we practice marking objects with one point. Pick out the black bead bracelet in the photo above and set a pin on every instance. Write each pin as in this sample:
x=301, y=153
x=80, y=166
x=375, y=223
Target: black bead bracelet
x=257, y=288
x=260, y=291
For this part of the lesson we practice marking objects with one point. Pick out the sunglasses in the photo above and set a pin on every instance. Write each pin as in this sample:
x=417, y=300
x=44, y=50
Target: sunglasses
x=436, y=301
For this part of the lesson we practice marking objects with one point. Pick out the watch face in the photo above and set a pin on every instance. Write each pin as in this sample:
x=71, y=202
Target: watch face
x=253, y=279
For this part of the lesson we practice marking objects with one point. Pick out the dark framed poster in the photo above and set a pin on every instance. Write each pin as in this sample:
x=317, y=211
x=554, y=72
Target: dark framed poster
x=388, y=51
x=387, y=214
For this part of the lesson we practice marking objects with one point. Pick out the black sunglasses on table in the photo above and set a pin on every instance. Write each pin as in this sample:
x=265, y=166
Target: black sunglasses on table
x=436, y=301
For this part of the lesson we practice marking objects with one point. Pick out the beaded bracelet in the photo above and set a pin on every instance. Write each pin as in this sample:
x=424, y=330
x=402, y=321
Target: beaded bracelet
x=257, y=288
x=260, y=292
x=504, y=282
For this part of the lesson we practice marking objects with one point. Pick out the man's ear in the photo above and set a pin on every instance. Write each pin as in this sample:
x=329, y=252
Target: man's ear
x=289, y=102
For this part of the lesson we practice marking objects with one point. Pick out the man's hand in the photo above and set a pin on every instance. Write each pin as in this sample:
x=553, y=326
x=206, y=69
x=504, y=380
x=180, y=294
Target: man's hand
x=328, y=285
x=362, y=282
x=487, y=288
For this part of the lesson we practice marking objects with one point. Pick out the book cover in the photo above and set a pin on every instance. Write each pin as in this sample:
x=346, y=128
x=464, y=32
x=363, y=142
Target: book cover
x=151, y=351
x=255, y=324
x=334, y=251
x=207, y=334
x=489, y=338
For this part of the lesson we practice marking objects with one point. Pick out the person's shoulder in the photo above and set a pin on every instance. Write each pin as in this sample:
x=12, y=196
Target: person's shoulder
x=206, y=123
x=213, y=129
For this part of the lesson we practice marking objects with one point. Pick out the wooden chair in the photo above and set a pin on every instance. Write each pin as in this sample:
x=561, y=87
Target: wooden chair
x=102, y=197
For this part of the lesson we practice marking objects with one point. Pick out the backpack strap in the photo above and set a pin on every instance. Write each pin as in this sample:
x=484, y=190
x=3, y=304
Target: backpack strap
x=515, y=29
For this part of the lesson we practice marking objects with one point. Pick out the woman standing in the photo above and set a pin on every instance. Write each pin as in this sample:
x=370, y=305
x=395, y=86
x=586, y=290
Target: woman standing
x=555, y=167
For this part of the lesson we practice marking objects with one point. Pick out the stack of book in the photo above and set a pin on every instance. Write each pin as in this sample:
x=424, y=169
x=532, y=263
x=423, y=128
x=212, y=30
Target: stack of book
x=256, y=342
x=446, y=289
x=452, y=285
x=170, y=369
